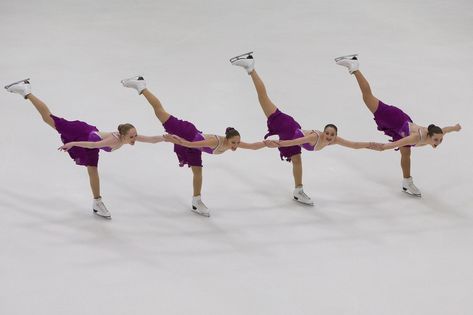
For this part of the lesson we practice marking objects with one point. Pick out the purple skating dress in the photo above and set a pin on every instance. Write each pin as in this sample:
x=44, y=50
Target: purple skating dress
x=186, y=130
x=79, y=131
x=299, y=134
x=286, y=128
x=392, y=121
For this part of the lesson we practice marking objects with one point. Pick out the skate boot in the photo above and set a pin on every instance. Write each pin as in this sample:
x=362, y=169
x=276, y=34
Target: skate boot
x=245, y=61
x=137, y=83
x=409, y=188
x=199, y=207
x=349, y=61
x=300, y=196
x=100, y=209
x=20, y=87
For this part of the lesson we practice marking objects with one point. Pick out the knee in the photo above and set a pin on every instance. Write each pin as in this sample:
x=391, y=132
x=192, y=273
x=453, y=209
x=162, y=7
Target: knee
x=296, y=160
x=405, y=153
x=93, y=170
x=47, y=119
x=197, y=171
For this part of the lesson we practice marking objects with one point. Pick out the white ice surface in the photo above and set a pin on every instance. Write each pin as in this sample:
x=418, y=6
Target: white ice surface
x=365, y=248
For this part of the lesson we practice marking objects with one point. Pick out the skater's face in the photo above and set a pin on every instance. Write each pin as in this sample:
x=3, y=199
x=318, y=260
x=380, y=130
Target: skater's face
x=436, y=139
x=130, y=136
x=234, y=142
x=330, y=134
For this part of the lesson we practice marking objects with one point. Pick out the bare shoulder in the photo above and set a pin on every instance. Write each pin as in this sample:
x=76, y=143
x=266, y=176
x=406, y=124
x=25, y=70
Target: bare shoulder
x=212, y=139
x=104, y=134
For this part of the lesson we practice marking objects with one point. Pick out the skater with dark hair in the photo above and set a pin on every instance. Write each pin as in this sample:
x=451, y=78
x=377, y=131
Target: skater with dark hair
x=83, y=141
x=189, y=142
x=291, y=135
x=397, y=125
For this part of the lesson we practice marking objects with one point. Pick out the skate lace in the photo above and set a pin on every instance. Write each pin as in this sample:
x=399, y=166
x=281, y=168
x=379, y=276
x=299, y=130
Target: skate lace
x=303, y=194
x=201, y=205
x=101, y=206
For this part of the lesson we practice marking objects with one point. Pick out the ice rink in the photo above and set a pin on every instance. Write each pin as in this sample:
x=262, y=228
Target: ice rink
x=364, y=248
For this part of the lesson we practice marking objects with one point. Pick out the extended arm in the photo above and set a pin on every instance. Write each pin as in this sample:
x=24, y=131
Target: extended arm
x=289, y=143
x=149, y=139
x=448, y=129
x=107, y=142
x=353, y=144
x=409, y=140
x=252, y=146
x=211, y=142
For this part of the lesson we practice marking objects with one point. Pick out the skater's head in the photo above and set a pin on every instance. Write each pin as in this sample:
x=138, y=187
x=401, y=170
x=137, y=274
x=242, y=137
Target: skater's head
x=330, y=132
x=127, y=133
x=233, y=137
x=434, y=135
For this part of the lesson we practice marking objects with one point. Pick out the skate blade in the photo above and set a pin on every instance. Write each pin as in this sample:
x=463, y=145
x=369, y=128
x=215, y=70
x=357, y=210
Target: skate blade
x=411, y=194
x=102, y=216
x=345, y=57
x=304, y=203
x=12, y=84
x=242, y=56
x=200, y=213
x=136, y=77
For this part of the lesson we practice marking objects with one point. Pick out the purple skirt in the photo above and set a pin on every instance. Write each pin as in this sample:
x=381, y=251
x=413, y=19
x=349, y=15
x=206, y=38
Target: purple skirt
x=77, y=131
x=392, y=121
x=286, y=128
x=186, y=130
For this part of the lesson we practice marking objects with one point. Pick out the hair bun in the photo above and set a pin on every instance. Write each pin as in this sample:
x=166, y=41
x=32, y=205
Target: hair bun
x=231, y=132
x=124, y=128
x=433, y=129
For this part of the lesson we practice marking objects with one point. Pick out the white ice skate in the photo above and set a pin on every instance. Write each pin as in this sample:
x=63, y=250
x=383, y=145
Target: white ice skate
x=100, y=209
x=199, y=207
x=348, y=61
x=409, y=188
x=137, y=83
x=21, y=87
x=300, y=196
x=245, y=61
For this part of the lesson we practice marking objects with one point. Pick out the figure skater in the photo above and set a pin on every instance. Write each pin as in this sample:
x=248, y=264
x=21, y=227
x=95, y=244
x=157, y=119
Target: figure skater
x=397, y=125
x=189, y=142
x=292, y=136
x=83, y=141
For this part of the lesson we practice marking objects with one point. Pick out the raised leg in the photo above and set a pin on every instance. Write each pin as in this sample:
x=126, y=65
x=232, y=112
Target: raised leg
x=297, y=169
x=162, y=115
x=197, y=180
x=94, y=181
x=266, y=104
x=368, y=97
x=42, y=109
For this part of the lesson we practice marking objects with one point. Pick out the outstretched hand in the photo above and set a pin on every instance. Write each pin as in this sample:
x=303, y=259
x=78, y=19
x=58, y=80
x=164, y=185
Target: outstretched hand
x=66, y=147
x=457, y=127
x=376, y=146
x=172, y=138
x=271, y=143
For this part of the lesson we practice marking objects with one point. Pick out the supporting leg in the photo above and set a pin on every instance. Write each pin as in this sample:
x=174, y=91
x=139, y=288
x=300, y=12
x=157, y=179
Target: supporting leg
x=406, y=161
x=197, y=180
x=94, y=181
x=297, y=169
